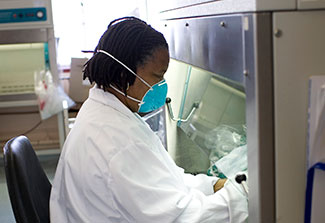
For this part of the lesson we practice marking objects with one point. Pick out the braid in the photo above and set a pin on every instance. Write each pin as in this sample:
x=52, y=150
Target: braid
x=131, y=41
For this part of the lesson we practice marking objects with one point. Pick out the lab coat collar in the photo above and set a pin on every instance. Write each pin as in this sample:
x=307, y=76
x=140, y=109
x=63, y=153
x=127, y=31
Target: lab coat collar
x=109, y=99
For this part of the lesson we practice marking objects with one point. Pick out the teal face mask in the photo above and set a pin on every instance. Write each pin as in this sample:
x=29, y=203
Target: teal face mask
x=153, y=99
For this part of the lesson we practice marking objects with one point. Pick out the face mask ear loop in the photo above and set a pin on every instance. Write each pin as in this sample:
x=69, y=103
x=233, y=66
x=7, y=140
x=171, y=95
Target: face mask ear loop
x=126, y=67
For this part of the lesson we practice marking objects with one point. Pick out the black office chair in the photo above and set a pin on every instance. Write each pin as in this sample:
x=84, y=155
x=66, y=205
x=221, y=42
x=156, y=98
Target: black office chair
x=28, y=186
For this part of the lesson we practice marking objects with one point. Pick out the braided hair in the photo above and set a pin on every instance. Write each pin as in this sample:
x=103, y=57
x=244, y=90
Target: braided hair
x=130, y=40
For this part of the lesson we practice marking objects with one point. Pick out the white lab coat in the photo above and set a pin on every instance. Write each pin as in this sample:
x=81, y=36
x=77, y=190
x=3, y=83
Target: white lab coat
x=113, y=168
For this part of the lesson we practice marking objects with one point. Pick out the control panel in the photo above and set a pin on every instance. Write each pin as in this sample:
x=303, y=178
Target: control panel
x=23, y=15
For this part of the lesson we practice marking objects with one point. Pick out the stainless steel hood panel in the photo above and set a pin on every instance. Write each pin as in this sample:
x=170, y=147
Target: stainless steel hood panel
x=171, y=9
x=205, y=43
x=169, y=5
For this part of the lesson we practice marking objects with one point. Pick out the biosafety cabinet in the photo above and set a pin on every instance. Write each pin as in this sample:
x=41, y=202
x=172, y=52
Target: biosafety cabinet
x=27, y=45
x=247, y=63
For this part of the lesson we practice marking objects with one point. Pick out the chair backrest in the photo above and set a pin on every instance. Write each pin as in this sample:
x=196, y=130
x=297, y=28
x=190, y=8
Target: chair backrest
x=28, y=186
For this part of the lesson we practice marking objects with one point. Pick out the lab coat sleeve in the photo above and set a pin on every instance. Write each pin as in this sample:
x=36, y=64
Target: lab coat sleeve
x=152, y=191
x=200, y=182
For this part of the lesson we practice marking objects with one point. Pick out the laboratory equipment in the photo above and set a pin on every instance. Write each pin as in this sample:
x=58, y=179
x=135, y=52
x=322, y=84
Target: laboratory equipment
x=241, y=179
x=27, y=45
x=264, y=53
x=78, y=88
x=170, y=110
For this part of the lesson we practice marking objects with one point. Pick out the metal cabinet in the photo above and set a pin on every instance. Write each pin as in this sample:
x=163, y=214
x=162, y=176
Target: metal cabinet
x=236, y=49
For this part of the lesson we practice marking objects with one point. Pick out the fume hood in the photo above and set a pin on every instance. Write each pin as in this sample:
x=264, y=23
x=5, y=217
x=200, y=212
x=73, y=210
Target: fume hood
x=247, y=63
x=27, y=45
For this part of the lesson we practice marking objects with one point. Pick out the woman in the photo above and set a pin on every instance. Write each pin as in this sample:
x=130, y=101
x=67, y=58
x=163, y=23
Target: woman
x=113, y=168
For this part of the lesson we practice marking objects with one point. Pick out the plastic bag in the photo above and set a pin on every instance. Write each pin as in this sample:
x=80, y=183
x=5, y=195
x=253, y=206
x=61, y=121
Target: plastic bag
x=231, y=164
x=51, y=98
x=223, y=139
